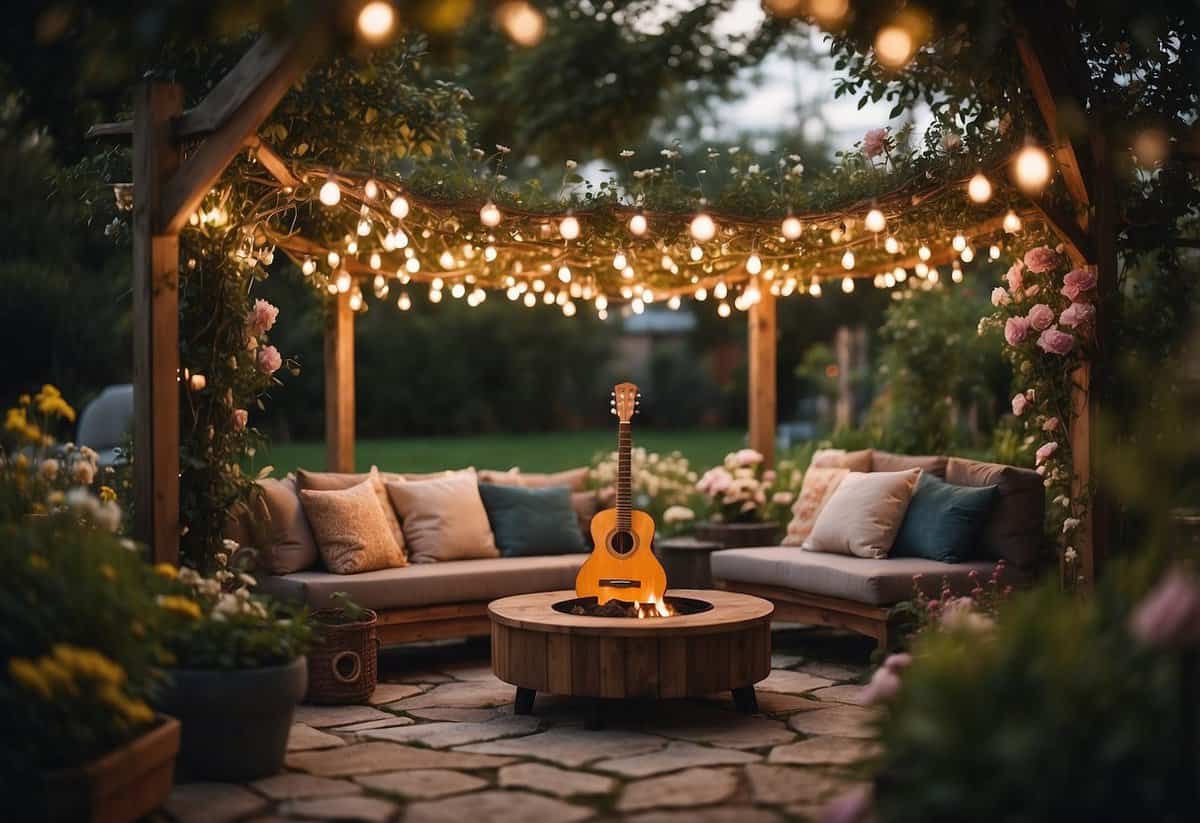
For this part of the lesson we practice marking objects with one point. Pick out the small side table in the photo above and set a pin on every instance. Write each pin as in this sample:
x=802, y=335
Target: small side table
x=687, y=561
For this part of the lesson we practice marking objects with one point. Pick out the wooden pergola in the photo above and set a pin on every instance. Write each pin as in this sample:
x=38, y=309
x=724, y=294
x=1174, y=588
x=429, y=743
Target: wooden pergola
x=169, y=186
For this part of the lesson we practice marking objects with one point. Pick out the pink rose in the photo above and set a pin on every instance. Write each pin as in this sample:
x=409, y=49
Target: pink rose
x=1053, y=341
x=1033, y=290
x=1045, y=452
x=268, y=360
x=1051, y=425
x=748, y=457
x=851, y=806
x=898, y=662
x=1000, y=297
x=1014, y=277
x=875, y=142
x=1041, y=259
x=1077, y=282
x=240, y=418
x=1077, y=314
x=1019, y=404
x=1041, y=317
x=883, y=686
x=1015, y=330
x=1170, y=614
x=261, y=317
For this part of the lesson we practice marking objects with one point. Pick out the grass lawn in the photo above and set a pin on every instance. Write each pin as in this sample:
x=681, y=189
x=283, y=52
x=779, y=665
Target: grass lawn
x=531, y=452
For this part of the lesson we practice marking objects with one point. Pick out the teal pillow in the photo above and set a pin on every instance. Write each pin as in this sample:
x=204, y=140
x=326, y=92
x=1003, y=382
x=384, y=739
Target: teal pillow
x=943, y=521
x=529, y=522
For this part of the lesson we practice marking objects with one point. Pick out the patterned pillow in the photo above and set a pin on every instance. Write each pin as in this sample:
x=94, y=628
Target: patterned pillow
x=337, y=481
x=820, y=482
x=352, y=533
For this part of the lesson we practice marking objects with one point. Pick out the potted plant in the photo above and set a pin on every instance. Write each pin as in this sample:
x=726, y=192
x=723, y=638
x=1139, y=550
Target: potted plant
x=748, y=503
x=343, y=663
x=237, y=672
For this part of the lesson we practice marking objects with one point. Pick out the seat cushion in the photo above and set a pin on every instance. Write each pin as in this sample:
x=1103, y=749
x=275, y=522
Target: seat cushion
x=529, y=522
x=882, y=582
x=430, y=584
x=1014, y=530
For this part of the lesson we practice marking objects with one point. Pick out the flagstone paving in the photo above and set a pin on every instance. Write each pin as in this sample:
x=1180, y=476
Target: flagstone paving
x=438, y=743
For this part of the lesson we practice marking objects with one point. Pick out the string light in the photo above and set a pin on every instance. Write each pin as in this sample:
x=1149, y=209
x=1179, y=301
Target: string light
x=628, y=272
x=703, y=228
x=894, y=46
x=352, y=246
x=356, y=300
x=637, y=305
x=875, y=222
x=404, y=302
x=370, y=190
x=446, y=259
x=958, y=243
x=814, y=288
x=457, y=291
x=979, y=188
x=956, y=273
x=333, y=259
x=891, y=245
x=568, y=309
x=720, y=290
x=330, y=193
x=900, y=274
x=412, y=265
x=380, y=286
x=476, y=297
x=753, y=264
x=435, y=295
x=696, y=253
x=647, y=296
x=489, y=215
x=375, y=261
x=638, y=225
x=924, y=253
x=848, y=260
x=933, y=275
x=723, y=309
x=521, y=21
x=1032, y=169
x=791, y=227
x=921, y=270
x=619, y=261
x=489, y=253
x=993, y=252
x=1012, y=223
x=673, y=303
x=601, y=302
x=308, y=266
x=539, y=286
x=568, y=228
x=375, y=22
x=700, y=295
x=530, y=299
x=564, y=274
x=847, y=284
x=968, y=254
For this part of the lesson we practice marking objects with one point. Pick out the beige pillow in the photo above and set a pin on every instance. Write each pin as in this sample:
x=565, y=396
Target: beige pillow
x=573, y=479
x=887, y=462
x=820, y=483
x=288, y=544
x=336, y=481
x=512, y=477
x=352, y=532
x=444, y=518
x=864, y=514
x=859, y=461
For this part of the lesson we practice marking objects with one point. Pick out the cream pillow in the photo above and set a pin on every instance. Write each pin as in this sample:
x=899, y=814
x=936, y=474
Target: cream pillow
x=864, y=514
x=820, y=482
x=336, y=481
x=352, y=533
x=444, y=518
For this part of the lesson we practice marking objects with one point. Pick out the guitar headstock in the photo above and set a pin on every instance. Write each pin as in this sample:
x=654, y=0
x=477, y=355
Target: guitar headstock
x=626, y=400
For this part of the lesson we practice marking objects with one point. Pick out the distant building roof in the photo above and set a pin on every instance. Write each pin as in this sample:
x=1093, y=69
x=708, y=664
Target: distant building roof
x=660, y=321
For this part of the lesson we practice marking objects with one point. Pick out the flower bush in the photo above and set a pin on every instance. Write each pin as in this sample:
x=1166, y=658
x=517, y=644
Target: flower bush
x=1046, y=311
x=740, y=490
x=659, y=484
x=977, y=609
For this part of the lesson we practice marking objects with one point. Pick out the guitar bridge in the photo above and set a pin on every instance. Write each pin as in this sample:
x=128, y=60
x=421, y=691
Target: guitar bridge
x=620, y=583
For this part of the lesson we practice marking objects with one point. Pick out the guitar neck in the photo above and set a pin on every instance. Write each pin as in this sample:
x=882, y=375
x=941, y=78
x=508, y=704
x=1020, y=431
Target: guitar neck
x=624, y=493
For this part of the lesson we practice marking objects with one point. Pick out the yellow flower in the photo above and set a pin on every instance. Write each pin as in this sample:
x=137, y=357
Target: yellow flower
x=89, y=663
x=23, y=671
x=22, y=462
x=24, y=400
x=166, y=570
x=138, y=712
x=58, y=676
x=15, y=420
x=108, y=572
x=107, y=494
x=179, y=605
x=38, y=563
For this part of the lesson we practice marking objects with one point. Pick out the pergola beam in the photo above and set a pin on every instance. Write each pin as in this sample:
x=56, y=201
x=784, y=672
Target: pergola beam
x=339, y=386
x=763, y=356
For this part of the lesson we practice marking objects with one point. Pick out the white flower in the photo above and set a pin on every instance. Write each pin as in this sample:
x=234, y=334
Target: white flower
x=1070, y=524
x=798, y=169
x=734, y=149
x=570, y=164
x=1000, y=297
x=49, y=468
x=83, y=472
x=678, y=514
x=1070, y=555
x=502, y=149
x=627, y=152
x=752, y=168
x=230, y=545
x=782, y=498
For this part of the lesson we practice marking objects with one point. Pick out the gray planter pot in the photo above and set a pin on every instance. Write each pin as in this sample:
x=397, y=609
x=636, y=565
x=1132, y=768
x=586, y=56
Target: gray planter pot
x=235, y=723
x=739, y=535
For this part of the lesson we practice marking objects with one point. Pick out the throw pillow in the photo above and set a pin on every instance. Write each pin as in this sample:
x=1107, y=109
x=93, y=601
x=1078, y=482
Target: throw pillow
x=943, y=520
x=1014, y=529
x=530, y=522
x=859, y=461
x=512, y=477
x=864, y=514
x=827, y=458
x=444, y=518
x=585, y=504
x=352, y=532
x=336, y=481
x=819, y=485
x=574, y=479
x=888, y=462
x=288, y=544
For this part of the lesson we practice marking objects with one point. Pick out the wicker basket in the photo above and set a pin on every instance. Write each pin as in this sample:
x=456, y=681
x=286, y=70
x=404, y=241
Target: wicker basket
x=343, y=664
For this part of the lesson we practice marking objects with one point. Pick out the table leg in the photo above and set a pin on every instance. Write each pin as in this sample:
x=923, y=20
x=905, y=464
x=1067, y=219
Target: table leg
x=594, y=719
x=745, y=700
x=523, y=703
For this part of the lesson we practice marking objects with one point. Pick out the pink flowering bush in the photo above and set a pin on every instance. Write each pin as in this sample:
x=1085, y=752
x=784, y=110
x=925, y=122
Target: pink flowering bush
x=1048, y=317
x=741, y=491
x=875, y=142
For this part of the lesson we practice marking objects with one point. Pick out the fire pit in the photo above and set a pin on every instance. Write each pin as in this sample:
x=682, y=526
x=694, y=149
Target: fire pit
x=696, y=643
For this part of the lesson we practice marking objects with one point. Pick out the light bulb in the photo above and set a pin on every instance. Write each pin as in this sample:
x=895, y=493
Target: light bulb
x=399, y=207
x=889, y=280
x=814, y=289
x=435, y=295
x=489, y=253
x=875, y=222
x=343, y=281
x=530, y=299
x=848, y=260
x=695, y=252
x=370, y=190
x=539, y=286
x=720, y=290
x=891, y=245
x=627, y=272
x=380, y=286
x=900, y=274
x=356, y=300
x=703, y=228
x=933, y=275
x=1012, y=223
x=993, y=252
x=723, y=309
x=967, y=254
x=647, y=296
x=922, y=270
x=330, y=193
x=489, y=215
x=404, y=302
x=522, y=22
x=352, y=247
x=956, y=275
x=836, y=234
x=333, y=259
x=437, y=283
x=674, y=302
x=959, y=242
x=791, y=227
x=568, y=309
x=375, y=260
x=308, y=266
x=753, y=264
x=569, y=227
x=847, y=284
x=700, y=295
x=1032, y=169
x=637, y=305
x=376, y=21
x=446, y=260
x=638, y=225
x=457, y=291
x=564, y=274
x=894, y=47
x=924, y=253
x=601, y=302
x=619, y=261
x=979, y=188
x=412, y=265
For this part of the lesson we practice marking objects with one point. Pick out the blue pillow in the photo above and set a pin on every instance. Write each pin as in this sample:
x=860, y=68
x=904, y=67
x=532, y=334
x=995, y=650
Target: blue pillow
x=943, y=521
x=529, y=522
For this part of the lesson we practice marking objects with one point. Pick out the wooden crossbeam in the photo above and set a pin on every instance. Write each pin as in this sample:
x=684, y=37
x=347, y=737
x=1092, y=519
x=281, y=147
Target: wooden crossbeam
x=763, y=354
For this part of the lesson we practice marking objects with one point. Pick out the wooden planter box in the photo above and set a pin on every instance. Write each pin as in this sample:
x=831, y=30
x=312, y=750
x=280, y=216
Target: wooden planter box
x=122, y=786
x=740, y=535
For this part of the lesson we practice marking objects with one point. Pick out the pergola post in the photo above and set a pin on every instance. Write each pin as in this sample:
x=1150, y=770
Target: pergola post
x=762, y=356
x=339, y=386
x=155, y=324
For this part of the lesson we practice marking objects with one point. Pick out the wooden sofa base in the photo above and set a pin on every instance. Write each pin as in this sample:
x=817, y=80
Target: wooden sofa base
x=416, y=623
x=798, y=607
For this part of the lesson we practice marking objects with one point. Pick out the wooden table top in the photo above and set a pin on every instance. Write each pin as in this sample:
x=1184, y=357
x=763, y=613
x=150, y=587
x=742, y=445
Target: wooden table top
x=730, y=612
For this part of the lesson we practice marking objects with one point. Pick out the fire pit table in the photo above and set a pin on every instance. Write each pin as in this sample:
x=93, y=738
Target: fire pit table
x=714, y=641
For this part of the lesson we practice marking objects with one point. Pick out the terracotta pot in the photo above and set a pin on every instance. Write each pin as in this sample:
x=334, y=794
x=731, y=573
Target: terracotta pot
x=739, y=535
x=122, y=786
x=235, y=723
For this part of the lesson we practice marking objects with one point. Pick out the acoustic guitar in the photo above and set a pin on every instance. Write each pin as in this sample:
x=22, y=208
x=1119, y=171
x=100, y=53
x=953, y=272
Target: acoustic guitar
x=622, y=565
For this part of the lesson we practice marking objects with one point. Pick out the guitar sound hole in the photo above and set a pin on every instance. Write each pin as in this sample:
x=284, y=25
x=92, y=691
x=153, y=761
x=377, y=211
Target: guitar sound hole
x=621, y=542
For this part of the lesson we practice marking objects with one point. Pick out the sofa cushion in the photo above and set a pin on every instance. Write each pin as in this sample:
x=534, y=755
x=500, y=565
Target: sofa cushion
x=288, y=545
x=856, y=461
x=574, y=479
x=350, y=528
x=943, y=520
x=444, y=518
x=530, y=522
x=864, y=514
x=429, y=584
x=820, y=482
x=1014, y=531
x=335, y=481
x=882, y=582
x=882, y=461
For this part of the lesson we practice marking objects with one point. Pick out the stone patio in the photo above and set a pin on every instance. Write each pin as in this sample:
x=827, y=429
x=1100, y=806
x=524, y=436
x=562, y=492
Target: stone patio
x=440, y=743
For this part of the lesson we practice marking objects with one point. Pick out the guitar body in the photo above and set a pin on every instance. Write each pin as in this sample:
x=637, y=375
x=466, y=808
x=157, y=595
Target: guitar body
x=622, y=565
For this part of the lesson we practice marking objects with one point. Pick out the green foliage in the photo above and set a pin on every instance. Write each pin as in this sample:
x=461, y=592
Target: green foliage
x=347, y=611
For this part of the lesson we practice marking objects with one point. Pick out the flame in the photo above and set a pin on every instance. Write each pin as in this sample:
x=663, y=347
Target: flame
x=654, y=608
